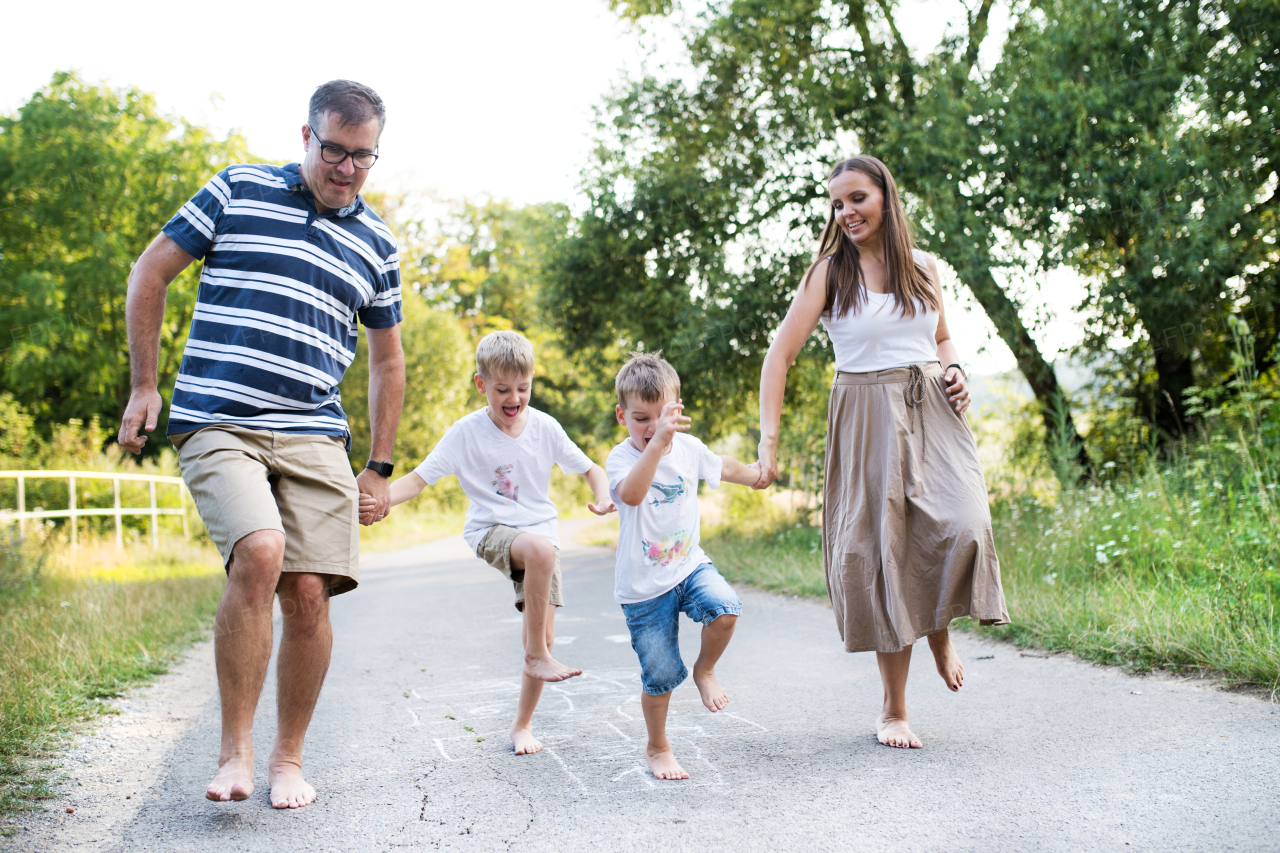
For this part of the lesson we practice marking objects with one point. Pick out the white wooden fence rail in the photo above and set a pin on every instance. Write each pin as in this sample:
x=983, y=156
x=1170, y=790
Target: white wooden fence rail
x=74, y=512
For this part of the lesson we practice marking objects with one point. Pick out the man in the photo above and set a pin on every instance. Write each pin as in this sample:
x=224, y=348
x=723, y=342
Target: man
x=292, y=258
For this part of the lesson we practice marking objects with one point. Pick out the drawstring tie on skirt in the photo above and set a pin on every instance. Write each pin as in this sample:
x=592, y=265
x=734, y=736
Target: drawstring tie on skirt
x=915, y=400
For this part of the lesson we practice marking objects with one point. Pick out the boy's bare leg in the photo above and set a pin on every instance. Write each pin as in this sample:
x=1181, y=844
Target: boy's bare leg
x=242, y=649
x=947, y=659
x=300, y=671
x=536, y=557
x=530, y=692
x=658, y=752
x=715, y=638
x=891, y=727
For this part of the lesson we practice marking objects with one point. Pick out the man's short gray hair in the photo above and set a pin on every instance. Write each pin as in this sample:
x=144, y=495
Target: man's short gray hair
x=504, y=353
x=354, y=103
x=649, y=376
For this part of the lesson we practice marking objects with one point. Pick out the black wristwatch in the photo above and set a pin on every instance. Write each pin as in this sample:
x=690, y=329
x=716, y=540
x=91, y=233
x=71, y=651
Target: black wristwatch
x=959, y=368
x=383, y=469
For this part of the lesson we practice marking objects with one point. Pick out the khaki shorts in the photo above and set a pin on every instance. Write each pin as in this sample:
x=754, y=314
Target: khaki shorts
x=495, y=549
x=248, y=479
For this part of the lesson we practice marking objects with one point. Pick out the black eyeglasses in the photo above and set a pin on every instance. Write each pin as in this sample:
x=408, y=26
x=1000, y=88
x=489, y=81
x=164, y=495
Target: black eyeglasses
x=333, y=155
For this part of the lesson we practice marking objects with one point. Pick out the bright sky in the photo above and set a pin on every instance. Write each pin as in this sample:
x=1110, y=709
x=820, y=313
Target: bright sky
x=492, y=97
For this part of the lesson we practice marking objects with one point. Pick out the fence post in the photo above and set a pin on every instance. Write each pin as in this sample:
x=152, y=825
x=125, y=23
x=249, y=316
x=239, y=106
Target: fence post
x=182, y=498
x=22, y=505
x=155, y=527
x=72, y=508
x=119, y=530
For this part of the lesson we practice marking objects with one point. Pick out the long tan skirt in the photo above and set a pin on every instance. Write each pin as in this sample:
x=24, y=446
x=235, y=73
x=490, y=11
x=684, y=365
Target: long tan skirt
x=906, y=537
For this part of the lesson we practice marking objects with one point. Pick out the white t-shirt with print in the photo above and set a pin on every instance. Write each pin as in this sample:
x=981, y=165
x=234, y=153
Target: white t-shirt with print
x=506, y=478
x=658, y=540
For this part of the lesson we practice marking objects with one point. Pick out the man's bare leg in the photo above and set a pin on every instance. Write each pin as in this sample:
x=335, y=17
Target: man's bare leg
x=536, y=557
x=300, y=670
x=891, y=727
x=715, y=638
x=657, y=752
x=530, y=692
x=947, y=659
x=242, y=648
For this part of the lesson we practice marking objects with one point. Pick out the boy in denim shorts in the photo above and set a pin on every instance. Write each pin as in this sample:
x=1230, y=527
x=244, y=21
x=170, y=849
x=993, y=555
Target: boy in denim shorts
x=661, y=570
x=502, y=455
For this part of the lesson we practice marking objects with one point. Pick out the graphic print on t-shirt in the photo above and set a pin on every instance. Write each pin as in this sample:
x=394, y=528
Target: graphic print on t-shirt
x=671, y=494
x=668, y=549
x=507, y=487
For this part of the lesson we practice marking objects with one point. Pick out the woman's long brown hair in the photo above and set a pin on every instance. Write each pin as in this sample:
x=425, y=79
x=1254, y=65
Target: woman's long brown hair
x=909, y=282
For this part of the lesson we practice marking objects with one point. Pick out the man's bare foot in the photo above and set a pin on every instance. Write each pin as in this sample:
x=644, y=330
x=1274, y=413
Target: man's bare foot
x=664, y=764
x=947, y=659
x=548, y=669
x=233, y=781
x=288, y=789
x=896, y=732
x=713, y=695
x=524, y=741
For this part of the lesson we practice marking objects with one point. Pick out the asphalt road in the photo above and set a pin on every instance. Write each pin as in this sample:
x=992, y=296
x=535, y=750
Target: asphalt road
x=408, y=749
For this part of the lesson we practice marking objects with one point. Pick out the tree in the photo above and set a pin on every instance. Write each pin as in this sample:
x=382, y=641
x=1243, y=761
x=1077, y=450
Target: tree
x=1122, y=134
x=88, y=176
x=705, y=198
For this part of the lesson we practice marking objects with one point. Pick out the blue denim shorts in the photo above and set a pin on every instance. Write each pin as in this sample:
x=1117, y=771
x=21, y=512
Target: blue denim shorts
x=704, y=596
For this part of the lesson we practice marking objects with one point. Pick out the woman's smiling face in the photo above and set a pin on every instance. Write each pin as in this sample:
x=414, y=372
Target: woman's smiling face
x=858, y=205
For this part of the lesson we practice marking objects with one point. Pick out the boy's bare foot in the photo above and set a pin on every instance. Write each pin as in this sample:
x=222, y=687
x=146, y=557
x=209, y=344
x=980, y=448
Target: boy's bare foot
x=896, y=732
x=233, y=781
x=524, y=741
x=288, y=789
x=713, y=695
x=548, y=669
x=947, y=659
x=664, y=764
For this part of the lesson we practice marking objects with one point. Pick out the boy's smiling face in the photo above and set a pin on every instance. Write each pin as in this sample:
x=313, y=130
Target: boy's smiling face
x=641, y=420
x=508, y=398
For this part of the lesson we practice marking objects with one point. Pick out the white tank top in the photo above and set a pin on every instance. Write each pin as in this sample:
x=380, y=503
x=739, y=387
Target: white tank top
x=878, y=337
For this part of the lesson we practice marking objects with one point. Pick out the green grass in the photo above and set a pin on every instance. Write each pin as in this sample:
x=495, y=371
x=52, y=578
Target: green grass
x=74, y=633
x=1173, y=568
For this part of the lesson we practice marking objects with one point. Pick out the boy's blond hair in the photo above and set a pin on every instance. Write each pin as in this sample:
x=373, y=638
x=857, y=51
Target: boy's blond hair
x=649, y=376
x=504, y=353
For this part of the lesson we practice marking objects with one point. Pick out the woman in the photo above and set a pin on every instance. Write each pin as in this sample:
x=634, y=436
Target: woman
x=906, y=535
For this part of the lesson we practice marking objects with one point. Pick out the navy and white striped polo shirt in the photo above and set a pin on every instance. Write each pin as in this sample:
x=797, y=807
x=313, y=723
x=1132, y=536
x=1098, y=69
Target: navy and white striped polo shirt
x=274, y=327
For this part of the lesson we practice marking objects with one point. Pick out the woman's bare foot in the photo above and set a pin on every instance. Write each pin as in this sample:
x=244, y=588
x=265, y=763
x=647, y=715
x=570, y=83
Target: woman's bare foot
x=663, y=764
x=713, y=695
x=548, y=669
x=288, y=789
x=233, y=781
x=896, y=732
x=947, y=659
x=524, y=741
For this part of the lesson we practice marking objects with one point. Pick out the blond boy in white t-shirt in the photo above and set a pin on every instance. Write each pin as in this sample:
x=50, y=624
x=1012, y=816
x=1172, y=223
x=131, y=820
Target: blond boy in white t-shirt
x=502, y=456
x=661, y=570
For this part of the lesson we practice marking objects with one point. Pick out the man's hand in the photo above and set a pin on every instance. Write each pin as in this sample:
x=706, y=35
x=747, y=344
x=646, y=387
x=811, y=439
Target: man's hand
x=376, y=487
x=368, y=510
x=671, y=421
x=143, y=412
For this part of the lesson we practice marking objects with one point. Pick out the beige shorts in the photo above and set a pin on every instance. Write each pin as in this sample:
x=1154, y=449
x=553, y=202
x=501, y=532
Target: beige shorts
x=248, y=479
x=495, y=549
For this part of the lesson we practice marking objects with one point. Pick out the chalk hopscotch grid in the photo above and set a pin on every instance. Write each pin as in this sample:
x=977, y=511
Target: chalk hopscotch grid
x=591, y=726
